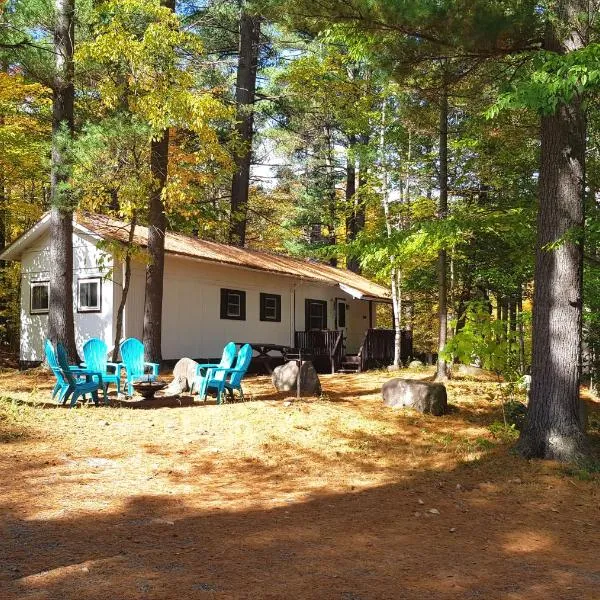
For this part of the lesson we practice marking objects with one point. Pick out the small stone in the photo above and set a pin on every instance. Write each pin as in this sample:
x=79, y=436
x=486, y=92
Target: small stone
x=459, y=487
x=85, y=570
x=434, y=511
x=417, y=514
x=420, y=501
x=554, y=510
x=515, y=480
x=452, y=529
x=287, y=403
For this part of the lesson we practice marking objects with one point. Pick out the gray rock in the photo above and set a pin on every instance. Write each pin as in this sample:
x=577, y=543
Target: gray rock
x=415, y=364
x=184, y=377
x=421, y=396
x=285, y=377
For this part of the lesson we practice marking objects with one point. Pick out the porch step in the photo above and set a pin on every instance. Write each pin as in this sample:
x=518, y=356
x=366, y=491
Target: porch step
x=350, y=364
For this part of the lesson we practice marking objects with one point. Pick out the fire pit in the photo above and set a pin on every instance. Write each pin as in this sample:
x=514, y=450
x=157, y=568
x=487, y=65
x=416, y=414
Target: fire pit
x=147, y=388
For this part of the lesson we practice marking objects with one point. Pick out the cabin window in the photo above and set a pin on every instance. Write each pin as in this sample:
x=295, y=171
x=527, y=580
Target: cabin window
x=89, y=294
x=38, y=303
x=233, y=304
x=270, y=307
x=316, y=314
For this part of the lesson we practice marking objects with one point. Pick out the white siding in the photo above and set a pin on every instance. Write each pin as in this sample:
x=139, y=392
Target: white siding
x=88, y=261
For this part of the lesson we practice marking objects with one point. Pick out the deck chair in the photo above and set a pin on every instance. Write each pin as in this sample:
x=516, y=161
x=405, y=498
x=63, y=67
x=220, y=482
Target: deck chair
x=132, y=355
x=204, y=371
x=95, y=352
x=62, y=388
x=77, y=386
x=230, y=379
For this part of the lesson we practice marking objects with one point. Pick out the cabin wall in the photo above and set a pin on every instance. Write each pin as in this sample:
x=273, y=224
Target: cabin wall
x=192, y=325
x=88, y=261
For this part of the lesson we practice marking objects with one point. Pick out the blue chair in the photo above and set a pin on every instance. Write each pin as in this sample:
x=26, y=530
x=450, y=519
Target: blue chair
x=204, y=371
x=132, y=355
x=95, y=352
x=230, y=379
x=78, y=387
x=62, y=387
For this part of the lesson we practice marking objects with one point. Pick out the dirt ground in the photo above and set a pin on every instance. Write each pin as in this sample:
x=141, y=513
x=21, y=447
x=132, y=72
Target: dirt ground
x=330, y=498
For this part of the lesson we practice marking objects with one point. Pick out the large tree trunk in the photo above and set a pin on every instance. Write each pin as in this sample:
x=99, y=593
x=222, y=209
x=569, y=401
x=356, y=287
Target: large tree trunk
x=157, y=224
x=554, y=427
x=244, y=98
x=61, y=326
x=442, y=367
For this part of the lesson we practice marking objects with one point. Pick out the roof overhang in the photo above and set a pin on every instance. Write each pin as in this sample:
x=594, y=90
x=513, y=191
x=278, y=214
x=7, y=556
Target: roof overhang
x=15, y=250
x=358, y=295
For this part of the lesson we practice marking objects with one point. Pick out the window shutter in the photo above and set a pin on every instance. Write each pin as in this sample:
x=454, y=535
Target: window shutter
x=307, y=315
x=224, y=294
x=262, y=307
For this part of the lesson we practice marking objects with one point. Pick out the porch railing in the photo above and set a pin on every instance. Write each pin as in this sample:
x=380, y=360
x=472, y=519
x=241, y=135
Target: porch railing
x=325, y=343
x=377, y=349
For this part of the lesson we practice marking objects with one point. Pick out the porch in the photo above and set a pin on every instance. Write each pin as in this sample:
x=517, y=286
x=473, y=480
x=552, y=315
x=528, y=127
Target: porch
x=327, y=351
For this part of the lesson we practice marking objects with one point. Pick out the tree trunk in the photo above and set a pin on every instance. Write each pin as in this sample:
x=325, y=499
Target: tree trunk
x=249, y=45
x=521, y=331
x=442, y=367
x=157, y=224
x=554, y=428
x=351, y=261
x=61, y=327
x=125, y=292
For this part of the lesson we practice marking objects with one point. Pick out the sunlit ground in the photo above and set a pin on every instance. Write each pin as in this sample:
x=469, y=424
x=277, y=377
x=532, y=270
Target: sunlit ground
x=336, y=497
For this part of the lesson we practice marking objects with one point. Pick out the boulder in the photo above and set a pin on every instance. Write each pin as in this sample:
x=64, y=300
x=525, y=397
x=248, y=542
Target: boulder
x=285, y=377
x=422, y=396
x=184, y=377
x=415, y=364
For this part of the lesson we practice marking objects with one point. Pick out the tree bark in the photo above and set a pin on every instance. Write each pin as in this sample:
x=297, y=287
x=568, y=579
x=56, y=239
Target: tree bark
x=157, y=224
x=61, y=326
x=352, y=263
x=245, y=91
x=442, y=367
x=554, y=428
x=125, y=292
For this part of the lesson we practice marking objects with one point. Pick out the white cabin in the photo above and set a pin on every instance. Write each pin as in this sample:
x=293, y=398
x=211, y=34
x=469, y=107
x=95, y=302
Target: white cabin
x=213, y=293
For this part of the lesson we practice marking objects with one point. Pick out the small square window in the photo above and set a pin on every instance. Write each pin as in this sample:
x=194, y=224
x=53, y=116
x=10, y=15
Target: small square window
x=233, y=304
x=270, y=307
x=89, y=295
x=38, y=302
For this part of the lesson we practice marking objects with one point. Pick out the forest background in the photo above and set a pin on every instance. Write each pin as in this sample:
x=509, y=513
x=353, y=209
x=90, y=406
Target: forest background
x=408, y=143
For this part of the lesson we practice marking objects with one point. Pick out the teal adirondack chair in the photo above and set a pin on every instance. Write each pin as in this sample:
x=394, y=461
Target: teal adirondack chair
x=95, y=352
x=204, y=371
x=78, y=387
x=132, y=355
x=62, y=387
x=230, y=379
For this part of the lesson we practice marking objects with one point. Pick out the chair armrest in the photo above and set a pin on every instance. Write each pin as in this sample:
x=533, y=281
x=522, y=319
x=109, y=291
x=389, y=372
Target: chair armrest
x=229, y=370
x=205, y=366
x=154, y=366
x=113, y=365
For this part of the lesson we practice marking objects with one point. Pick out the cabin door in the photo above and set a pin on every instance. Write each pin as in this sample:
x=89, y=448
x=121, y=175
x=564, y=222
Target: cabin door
x=341, y=319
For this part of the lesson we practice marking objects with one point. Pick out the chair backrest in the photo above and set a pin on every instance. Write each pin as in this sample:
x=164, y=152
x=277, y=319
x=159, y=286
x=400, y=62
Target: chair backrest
x=243, y=362
x=228, y=356
x=63, y=362
x=95, y=354
x=132, y=354
x=53, y=361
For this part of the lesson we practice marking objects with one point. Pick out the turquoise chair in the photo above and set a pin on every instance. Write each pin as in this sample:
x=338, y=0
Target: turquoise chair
x=95, y=352
x=204, y=371
x=230, y=379
x=78, y=387
x=132, y=355
x=62, y=387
